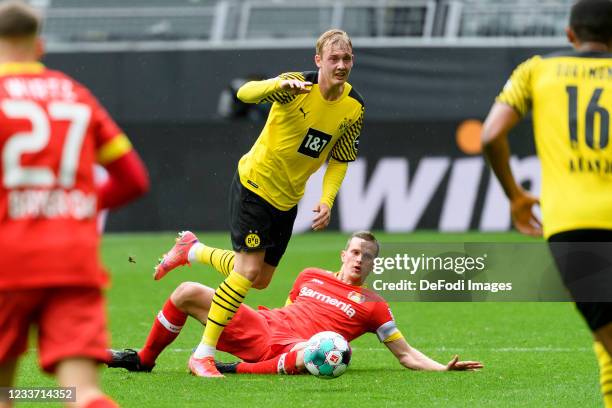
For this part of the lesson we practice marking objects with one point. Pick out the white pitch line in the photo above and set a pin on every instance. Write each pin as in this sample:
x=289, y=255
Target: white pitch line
x=497, y=349
x=544, y=349
x=451, y=349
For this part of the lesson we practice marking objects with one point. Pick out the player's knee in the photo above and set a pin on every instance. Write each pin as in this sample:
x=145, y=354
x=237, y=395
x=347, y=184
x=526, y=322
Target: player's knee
x=262, y=282
x=251, y=272
x=186, y=292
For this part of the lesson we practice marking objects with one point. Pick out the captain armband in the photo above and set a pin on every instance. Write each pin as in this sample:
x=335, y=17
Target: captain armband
x=388, y=332
x=113, y=149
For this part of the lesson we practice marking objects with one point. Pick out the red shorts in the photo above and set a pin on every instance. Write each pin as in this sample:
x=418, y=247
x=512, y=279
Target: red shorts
x=71, y=322
x=249, y=338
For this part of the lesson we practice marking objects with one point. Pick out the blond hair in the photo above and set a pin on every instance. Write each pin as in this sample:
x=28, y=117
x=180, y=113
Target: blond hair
x=331, y=37
x=18, y=20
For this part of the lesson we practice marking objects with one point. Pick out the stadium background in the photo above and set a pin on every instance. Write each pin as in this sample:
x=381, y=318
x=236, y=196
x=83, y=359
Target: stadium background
x=428, y=71
x=164, y=70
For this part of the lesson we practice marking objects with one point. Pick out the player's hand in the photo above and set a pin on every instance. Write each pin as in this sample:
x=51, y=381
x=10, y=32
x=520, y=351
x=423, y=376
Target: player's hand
x=523, y=216
x=322, y=217
x=296, y=87
x=456, y=365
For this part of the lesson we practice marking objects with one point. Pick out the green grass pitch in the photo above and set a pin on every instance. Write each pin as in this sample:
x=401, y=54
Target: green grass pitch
x=535, y=354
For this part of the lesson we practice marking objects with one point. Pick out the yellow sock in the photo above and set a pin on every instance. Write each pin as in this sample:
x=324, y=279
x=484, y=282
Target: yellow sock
x=220, y=259
x=226, y=301
x=605, y=373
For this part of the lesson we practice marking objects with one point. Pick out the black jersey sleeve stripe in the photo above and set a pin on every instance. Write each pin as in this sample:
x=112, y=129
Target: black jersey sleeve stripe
x=277, y=97
x=292, y=75
x=311, y=76
x=271, y=98
x=281, y=97
x=346, y=147
x=284, y=97
x=357, y=96
x=343, y=150
x=340, y=152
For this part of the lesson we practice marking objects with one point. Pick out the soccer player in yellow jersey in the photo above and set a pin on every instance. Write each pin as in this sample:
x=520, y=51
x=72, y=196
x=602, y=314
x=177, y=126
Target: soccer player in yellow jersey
x=316, y=117
x=570, y=97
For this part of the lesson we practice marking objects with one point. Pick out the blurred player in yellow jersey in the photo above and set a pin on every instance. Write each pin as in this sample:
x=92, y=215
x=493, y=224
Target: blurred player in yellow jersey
x=570, y=96
x=316, y=117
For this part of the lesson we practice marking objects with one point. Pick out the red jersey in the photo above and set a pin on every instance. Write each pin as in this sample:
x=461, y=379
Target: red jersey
x=51, y=131
x=322, y=302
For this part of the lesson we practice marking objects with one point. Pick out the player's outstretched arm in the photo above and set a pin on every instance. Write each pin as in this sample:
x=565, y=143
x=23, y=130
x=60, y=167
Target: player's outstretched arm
x=322, y=216
x=128, y=178
x=523, y=217
x=258, y=91
x=501, y=119
x=413, y=359
x=456, y=365
x=295, y=86
x=334, y=175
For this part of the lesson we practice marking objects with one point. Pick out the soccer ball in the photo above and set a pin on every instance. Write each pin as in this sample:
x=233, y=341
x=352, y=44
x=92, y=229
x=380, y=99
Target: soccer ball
x=327, y=355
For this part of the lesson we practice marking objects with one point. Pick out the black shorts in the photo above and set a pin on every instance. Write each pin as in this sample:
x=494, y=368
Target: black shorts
x=584, y=260
x=257, y=225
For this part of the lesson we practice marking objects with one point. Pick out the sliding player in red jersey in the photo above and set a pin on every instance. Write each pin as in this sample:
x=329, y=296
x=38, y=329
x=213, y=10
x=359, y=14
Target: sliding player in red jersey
x=52, y=133
x=271, y=340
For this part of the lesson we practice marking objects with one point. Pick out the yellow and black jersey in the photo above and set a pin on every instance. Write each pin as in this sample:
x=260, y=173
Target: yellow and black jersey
x=301, y=133
x=570, y=95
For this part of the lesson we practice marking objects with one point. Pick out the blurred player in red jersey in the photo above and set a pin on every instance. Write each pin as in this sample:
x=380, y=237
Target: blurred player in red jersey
x=52, y=132
x=271, y=341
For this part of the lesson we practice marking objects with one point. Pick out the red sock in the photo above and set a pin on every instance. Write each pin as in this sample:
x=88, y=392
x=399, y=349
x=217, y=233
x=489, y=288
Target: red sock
x=282, y=364
x=102, y=402
x=166, y=327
